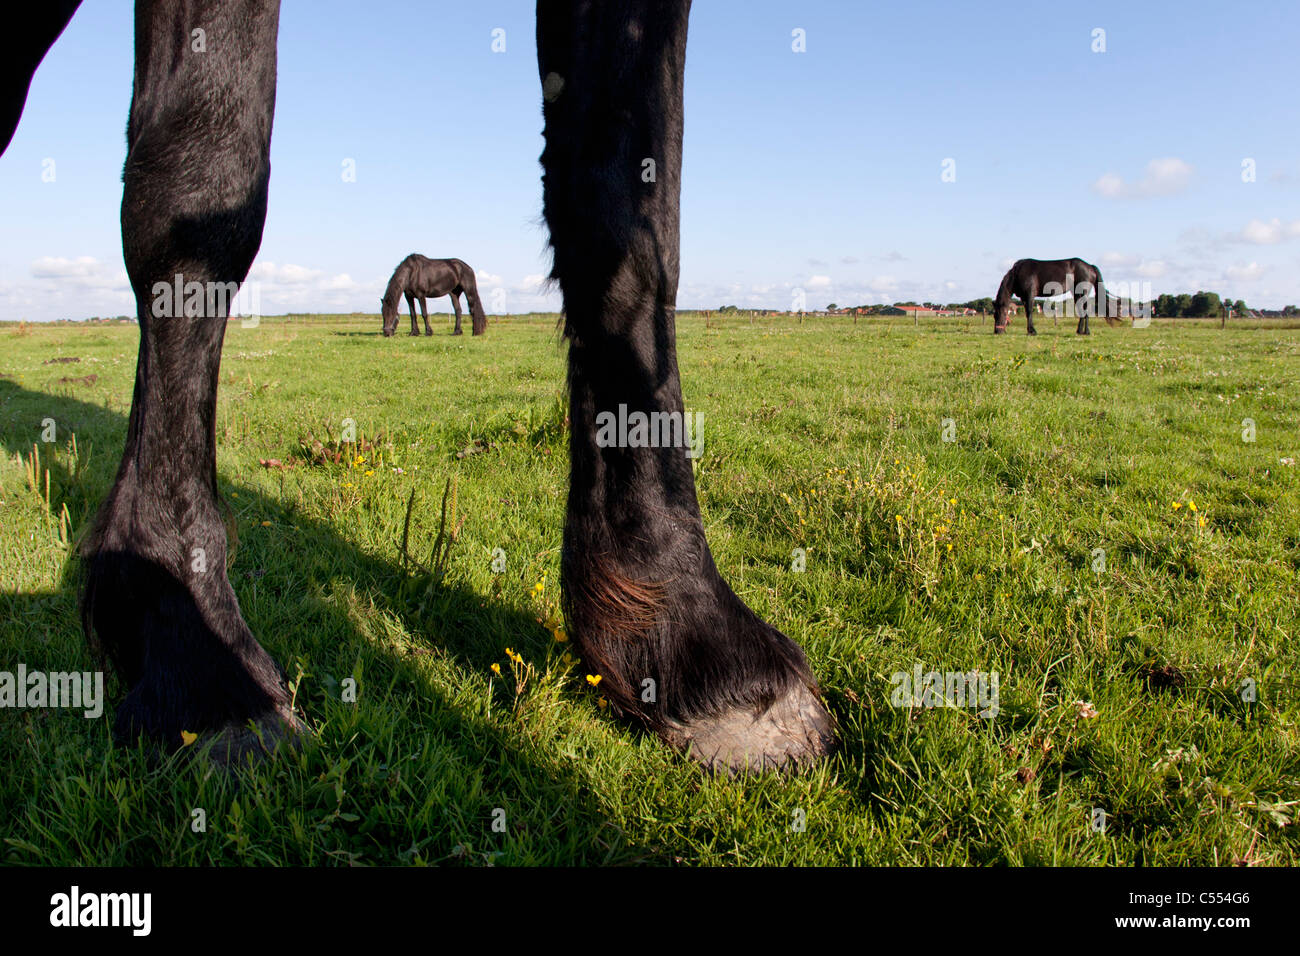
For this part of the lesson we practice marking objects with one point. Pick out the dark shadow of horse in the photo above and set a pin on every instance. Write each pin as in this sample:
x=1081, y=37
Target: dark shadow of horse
x=277, y=577
x=419, y=277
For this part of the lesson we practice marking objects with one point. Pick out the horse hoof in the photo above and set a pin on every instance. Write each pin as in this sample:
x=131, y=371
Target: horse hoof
x=234, y=745
x=796, y=730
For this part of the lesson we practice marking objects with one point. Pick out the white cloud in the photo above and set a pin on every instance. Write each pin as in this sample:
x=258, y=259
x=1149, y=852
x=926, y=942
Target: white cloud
x=1246, y=273
x=1262, y=233
x=286, y=274
x=83, y=275
x=342, y=282
x=57, y=267
x=819, y=282
x=68, y=288
x=1162, y=177
x=1110, y=185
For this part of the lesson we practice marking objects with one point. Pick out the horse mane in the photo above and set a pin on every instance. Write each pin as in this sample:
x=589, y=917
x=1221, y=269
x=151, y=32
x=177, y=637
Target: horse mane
x=393, y=294
x=1004, y=290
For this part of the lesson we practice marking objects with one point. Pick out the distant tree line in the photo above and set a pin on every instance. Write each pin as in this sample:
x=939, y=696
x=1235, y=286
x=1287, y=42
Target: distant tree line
x=1200, y=305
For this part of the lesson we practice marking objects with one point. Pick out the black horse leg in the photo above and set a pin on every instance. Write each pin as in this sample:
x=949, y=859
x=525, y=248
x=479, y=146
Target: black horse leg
x=1028, y=298
x=455, y=304
x=675, y=647
x=1084, y=307
x=424, y=313
x=157, y=599
x=410, y=305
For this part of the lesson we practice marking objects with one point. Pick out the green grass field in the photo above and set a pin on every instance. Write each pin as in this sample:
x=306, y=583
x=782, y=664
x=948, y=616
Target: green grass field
x=979, y=553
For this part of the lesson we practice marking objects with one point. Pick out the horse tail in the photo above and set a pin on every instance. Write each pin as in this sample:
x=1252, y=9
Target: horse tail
x=477, y=316
x=1112, y=317
x=393, y=295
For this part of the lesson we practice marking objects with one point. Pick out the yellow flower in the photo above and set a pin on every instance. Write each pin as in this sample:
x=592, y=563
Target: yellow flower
x=188, y=738
x=1177, y=505
x=1191, y=506
x=1200, y=522
x=593, y=679
x=949, y=547
x=266, y=524
x=496, y=669
x=370, y=472
x=347, y=484
x=952, y=501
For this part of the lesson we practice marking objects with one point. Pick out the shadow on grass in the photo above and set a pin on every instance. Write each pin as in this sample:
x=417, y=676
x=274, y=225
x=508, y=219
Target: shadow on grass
x=403, y=775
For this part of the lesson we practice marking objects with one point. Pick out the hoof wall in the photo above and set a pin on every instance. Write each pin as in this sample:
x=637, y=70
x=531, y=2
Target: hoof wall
x=795, y=730
x=233, y=744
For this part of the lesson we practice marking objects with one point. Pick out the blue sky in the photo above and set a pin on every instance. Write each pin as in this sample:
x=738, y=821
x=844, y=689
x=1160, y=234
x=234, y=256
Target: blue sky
x=820, y=170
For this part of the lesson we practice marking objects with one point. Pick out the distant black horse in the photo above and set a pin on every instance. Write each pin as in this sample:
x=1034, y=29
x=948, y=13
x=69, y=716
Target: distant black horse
x=1030, y=279
x=647, y=609
x=417, y=277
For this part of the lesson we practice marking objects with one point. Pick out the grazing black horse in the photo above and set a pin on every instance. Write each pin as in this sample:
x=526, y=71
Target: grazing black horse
x=418, y=277
x=1029, y=279
x=646, y=606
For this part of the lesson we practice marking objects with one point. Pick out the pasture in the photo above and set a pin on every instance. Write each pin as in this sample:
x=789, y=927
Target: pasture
x=1103, y=531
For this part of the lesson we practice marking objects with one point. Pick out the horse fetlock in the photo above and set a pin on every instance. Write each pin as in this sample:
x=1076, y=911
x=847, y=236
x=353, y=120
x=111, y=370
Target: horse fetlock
x=158, y=607
x=683, y=655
